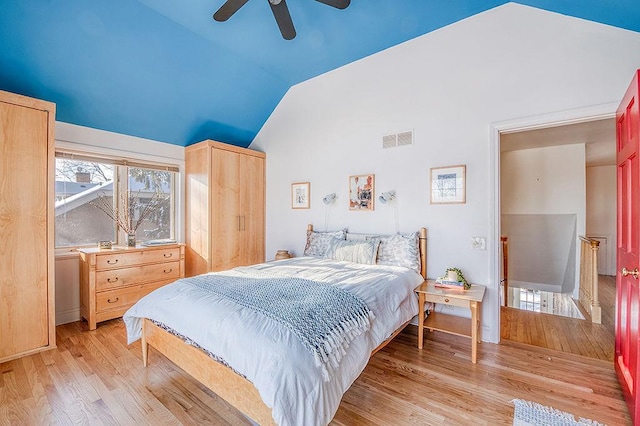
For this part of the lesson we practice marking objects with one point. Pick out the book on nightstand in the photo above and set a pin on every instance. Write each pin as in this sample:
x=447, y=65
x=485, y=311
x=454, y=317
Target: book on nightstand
x=443, y=283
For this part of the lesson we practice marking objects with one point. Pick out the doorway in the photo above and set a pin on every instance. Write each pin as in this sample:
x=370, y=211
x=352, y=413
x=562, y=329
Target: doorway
x=540, y=159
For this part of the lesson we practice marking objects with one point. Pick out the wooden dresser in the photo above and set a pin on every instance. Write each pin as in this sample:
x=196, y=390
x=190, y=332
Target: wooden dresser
x=112, y=280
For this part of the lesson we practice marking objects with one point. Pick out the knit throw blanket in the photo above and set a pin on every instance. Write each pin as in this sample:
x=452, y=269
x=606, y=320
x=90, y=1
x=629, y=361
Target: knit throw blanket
x=324, y=318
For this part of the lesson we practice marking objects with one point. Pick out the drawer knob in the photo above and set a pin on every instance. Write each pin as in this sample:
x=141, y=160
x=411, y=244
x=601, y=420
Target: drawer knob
x=112, y=263
x=169, y=271
x=446, y=300
x=112, y=281
x=167, y=255
x=113, y=301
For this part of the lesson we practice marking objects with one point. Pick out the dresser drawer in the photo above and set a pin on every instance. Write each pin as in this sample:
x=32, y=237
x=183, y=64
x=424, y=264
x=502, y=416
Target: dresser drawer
x=122, y=298
x=115, y=278
x=118, y=260
x=447, y=300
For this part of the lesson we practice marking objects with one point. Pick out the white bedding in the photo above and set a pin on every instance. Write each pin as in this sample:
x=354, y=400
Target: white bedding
x=268, y=354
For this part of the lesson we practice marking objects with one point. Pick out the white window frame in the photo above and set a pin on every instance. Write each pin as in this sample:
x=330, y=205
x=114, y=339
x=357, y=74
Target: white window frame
x=121, y=185
x=107, y=145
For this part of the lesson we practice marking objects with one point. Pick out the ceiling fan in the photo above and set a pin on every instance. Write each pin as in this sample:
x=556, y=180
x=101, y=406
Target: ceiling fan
x=280, y=12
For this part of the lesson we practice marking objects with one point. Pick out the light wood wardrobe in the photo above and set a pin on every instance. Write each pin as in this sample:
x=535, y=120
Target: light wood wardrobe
x=27, y=317
x=225, y=207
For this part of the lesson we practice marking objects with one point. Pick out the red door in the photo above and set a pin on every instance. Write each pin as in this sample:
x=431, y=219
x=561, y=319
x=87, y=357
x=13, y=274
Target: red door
x=627, y=355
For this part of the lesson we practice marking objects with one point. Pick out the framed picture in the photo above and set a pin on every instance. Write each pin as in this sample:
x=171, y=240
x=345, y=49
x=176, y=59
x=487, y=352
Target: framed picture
x=361, y=192
x=448, y=185
x=300, y=195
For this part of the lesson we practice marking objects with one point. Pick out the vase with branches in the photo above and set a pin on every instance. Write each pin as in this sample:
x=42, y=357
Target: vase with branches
x=130, y=213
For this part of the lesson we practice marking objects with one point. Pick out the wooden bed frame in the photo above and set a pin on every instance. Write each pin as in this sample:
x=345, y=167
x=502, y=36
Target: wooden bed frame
x=223, y=381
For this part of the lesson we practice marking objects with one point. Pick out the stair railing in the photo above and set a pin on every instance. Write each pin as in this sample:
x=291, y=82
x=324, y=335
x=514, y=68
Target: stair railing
x=589, y=278
x=505, y=268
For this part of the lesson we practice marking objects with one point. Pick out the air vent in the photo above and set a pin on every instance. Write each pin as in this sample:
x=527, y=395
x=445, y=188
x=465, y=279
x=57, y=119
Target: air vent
x=405, y=138
x=389, y=141
x=397, y=139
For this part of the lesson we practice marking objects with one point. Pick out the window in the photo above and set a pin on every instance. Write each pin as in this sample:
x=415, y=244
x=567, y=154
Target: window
x=146, y=186
x=83, y=183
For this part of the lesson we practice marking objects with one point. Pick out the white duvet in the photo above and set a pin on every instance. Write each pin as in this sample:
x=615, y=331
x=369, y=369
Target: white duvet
x=267, y=353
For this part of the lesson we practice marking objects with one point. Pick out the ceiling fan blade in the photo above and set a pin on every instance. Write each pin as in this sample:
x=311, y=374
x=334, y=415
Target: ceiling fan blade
x=339, y=4
x=283, y=18
x=227, y=9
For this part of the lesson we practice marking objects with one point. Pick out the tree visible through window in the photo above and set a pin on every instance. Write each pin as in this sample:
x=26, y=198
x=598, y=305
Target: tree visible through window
x=79, y=182
x=143, y=184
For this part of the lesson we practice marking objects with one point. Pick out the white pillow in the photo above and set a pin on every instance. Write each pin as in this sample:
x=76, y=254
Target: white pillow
x=353, y=251
x=318, y=242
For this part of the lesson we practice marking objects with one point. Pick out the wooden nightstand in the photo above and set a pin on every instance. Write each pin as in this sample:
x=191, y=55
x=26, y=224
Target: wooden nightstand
x=470, y=299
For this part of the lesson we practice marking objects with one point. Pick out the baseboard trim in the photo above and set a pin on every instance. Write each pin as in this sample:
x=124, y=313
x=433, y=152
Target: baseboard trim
x=67, y=316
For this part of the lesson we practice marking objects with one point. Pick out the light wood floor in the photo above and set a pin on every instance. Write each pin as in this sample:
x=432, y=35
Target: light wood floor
x=575, y=336
x=94, y=378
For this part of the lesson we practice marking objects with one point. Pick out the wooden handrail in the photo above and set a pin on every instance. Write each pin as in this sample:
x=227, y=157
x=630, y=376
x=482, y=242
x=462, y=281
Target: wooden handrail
x=505, y=267
x=589, y=278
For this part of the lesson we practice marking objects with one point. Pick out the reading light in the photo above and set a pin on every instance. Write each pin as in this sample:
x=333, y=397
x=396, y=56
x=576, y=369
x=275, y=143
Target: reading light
x=387, y=196
x=329, y=198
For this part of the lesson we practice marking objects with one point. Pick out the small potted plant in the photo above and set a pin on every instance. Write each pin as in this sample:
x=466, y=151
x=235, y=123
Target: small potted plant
x=453, y=278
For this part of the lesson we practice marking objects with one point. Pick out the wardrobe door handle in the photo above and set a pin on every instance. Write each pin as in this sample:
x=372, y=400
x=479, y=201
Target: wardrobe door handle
x=109, y=280
x=244, y=223
x=113, y=301
x=238, y=228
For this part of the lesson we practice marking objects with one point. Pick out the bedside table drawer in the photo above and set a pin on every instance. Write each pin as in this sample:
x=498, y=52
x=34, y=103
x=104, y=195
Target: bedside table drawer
x=447, y=300
x=116, y=278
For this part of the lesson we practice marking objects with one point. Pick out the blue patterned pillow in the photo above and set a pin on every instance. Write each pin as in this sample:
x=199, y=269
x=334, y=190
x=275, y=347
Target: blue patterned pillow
x=318, y=242
x=399, y=250
x=353, y=251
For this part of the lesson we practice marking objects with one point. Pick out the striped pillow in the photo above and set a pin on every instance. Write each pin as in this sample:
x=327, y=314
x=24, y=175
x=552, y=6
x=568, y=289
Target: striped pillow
x=353, y=251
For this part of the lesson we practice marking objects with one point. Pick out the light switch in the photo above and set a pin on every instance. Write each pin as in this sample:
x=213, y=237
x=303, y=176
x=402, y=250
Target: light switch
x=478, y=243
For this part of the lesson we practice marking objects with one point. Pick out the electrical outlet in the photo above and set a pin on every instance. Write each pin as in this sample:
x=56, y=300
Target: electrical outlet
x=478, y=243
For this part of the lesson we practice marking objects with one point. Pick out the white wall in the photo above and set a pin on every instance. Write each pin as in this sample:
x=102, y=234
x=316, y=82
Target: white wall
x=545, y=181
x=449, y=86
x=549, y=180
x=88, y=140
x=601, y=212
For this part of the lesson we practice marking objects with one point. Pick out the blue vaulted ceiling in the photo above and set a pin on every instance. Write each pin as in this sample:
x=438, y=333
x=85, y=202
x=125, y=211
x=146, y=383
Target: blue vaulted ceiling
x=164, y=70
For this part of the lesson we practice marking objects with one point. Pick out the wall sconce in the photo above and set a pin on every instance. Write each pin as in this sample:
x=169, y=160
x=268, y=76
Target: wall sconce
x=387, y=196
x=329, y=198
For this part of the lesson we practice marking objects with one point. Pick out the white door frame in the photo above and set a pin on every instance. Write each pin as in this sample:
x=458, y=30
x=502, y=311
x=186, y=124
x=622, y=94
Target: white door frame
x=561, y=118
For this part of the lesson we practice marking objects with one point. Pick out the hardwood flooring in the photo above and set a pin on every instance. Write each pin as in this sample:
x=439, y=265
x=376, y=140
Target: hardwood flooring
x=95, y=378
x=580, y=337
